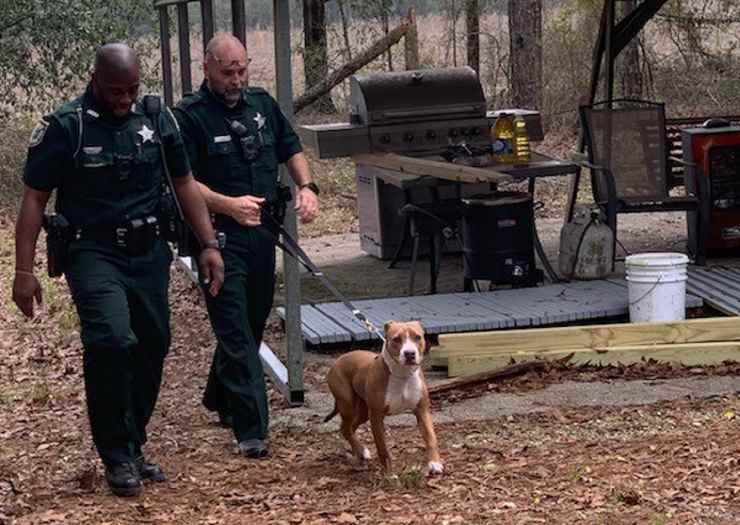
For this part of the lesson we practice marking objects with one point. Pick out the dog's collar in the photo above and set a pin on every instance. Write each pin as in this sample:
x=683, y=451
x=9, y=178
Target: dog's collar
x=397, y=369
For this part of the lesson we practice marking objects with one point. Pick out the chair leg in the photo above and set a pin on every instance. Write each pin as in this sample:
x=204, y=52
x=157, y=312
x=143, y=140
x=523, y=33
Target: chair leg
x=414, y=260
x=435, y=258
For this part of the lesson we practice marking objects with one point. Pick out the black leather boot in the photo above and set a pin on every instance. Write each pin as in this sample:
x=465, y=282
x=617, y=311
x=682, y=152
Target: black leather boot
x=149, y=471
x=124, y=479
x=253, y=448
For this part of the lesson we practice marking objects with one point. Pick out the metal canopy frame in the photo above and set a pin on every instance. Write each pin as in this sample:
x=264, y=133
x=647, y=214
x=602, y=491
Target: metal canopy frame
x=612, y=39
x=288, y=377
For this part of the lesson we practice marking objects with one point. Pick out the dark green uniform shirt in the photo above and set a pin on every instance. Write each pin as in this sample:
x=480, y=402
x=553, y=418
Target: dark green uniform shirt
x=110, y=172
x=215, y=152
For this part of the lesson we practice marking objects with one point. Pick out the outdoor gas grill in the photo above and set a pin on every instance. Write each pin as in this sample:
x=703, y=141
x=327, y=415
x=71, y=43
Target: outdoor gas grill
x=416, y=113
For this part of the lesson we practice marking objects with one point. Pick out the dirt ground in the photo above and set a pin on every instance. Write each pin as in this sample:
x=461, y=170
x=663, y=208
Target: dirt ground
x=670, y=462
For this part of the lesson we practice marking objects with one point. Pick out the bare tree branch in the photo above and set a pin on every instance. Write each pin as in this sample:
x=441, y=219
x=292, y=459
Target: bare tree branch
x=370, y=54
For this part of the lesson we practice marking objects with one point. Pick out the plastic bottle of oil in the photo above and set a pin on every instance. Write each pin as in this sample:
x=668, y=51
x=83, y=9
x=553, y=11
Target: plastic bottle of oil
x=502, y=139
x=521, y=141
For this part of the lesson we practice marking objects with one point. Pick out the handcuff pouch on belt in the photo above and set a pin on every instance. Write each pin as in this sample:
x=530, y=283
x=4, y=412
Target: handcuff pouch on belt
x=137, y=236
x=58, y=234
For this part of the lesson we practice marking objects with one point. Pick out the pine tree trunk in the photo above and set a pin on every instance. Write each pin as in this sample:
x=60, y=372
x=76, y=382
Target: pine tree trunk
x=345, y=29
x=316, y=55
x=630, y=71
x=472, y=22
x=525, y=48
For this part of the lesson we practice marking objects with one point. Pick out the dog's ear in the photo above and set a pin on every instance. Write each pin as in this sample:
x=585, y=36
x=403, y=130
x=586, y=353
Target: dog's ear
x=387, y=326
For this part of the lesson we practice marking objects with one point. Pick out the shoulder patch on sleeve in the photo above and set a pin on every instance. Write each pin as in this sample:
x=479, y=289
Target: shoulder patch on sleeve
x=37, y=135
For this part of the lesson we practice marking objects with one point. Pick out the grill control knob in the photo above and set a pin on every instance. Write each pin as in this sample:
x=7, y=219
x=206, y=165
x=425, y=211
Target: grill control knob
x=453, y=132
x=431, y=134
x=408, y=136
x=385, y=139
x=475, y=131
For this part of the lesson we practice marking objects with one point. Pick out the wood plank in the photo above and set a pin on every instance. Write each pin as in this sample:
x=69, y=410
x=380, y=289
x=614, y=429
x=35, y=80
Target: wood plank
x=690, y=354
x=484, y=377
x=593, y=337
x=432, y=168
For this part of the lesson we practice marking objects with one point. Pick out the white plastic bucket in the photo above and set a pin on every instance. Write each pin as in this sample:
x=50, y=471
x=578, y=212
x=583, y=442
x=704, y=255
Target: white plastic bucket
x=656, y=283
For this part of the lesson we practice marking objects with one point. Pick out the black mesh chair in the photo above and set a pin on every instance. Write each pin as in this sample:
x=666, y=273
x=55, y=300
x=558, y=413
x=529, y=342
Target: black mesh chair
x=628, y=159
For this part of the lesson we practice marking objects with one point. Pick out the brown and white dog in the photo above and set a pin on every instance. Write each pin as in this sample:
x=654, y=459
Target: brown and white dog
x=366, y=386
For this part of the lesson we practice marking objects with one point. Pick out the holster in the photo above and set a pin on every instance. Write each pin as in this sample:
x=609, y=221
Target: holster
x=58, y=234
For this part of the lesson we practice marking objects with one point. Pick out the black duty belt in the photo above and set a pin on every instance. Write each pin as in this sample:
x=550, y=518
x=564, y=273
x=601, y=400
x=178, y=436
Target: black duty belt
x=136, y=236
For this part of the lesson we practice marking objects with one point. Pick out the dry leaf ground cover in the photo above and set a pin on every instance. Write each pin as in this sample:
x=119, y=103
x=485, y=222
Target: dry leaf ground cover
x=672, y=462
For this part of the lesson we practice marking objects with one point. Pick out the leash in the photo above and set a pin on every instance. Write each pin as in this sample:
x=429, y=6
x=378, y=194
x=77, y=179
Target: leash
x=290, y=246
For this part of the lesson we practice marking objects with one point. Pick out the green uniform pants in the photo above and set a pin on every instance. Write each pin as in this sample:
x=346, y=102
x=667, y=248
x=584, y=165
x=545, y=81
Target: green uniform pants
x=236, y=383
x=124, y=318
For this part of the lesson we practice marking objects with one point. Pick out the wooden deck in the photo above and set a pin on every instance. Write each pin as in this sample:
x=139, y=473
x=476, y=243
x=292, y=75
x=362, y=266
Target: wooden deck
x=718, y=286
x=331, y=323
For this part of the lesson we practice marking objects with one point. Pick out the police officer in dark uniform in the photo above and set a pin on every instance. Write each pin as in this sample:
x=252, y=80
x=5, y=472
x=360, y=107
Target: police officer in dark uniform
x=235, y=138
x=102, y=153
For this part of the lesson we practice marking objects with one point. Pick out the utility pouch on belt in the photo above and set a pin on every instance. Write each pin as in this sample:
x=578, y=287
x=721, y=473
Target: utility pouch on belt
x=138, y=235
x=58, y=233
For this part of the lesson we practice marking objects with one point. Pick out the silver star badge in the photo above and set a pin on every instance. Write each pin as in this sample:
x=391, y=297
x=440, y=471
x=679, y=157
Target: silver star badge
x=147, y=135
x=260, y=120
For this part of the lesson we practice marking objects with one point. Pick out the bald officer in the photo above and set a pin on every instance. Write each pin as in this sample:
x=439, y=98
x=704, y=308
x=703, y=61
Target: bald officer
x=102, y=153
x=235, y=137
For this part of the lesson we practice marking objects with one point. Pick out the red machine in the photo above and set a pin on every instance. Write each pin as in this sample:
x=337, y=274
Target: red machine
x=716, y=152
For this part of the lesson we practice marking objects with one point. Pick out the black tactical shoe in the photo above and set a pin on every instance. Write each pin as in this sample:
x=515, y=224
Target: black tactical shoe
x=253, y=448
x=124, y=479
x=149, y=471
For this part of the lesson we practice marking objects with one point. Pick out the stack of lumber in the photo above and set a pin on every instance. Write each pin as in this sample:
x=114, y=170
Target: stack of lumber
x=692, y=342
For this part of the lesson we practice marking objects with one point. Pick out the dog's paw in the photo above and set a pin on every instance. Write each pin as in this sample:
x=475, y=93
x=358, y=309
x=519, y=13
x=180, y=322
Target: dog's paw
x=364, y=454
x=434, y=468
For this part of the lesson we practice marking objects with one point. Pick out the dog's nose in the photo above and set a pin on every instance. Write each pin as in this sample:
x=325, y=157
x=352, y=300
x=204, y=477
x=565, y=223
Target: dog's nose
x=409, y=355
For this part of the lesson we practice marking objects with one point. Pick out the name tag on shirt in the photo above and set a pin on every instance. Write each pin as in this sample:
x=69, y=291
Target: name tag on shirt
x=221, y=138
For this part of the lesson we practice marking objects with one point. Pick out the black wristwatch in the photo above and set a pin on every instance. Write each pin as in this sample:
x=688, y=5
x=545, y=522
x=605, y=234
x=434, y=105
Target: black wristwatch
x=311, y=186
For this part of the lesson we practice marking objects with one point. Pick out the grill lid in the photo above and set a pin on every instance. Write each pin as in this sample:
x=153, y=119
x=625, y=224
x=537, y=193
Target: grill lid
x=414, y=96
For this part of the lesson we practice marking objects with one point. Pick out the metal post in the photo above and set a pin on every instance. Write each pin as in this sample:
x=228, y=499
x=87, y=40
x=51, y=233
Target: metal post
x=239, y=21
x=206, y=14
x=164, y=38
x=609, y=51
x=183, y=38
x=284, y=83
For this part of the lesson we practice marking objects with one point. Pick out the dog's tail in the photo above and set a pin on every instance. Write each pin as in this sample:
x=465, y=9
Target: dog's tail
x=334, y=412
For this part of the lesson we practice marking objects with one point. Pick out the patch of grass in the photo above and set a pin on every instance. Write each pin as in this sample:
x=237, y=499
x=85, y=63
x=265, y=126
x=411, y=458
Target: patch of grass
x=658, y=519
x=41, y=393
x=576, y=472
x=411, y=478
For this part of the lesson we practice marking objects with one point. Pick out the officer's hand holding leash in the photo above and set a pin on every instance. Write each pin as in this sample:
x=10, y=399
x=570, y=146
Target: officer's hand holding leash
x=246, y=210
